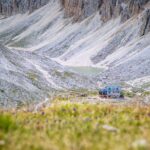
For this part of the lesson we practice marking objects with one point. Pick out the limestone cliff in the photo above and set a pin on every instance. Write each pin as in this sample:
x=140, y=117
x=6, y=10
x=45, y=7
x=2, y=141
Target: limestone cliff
x=80, y=9
x=10, y=7
x=107, y=8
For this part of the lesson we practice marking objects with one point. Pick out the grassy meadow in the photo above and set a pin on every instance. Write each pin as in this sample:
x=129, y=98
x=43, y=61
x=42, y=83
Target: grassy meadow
x=75, y=126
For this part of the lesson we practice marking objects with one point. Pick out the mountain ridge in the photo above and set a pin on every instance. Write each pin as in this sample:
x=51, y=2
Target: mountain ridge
x=12, y=7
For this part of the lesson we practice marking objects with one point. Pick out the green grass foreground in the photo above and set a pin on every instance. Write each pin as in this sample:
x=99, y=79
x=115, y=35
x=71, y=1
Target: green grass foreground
x=76, y=127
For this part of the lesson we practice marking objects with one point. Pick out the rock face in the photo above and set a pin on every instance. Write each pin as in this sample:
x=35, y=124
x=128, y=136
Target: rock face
x=145, y=28
x=10, y=7
x=80, y=9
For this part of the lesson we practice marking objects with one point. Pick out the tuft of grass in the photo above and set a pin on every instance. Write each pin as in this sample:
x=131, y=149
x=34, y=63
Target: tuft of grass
x=129, y=94
x=32, y=76
x=146, y=93
x=6, y=123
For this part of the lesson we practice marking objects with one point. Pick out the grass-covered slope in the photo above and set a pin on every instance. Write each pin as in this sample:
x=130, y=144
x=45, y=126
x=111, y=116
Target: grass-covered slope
x=72, y=126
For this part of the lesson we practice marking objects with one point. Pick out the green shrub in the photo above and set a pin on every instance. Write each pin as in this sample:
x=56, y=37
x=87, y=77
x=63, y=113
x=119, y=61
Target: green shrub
x=146, y=93
x=32, y=76
x=129, y=94
x=6, y=123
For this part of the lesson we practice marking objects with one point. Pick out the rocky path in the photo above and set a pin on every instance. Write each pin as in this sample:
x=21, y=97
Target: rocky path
x=137, y=100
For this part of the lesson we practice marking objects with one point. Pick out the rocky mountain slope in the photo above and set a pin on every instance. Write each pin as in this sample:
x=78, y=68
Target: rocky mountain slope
x=28, y=77
x=41, y=37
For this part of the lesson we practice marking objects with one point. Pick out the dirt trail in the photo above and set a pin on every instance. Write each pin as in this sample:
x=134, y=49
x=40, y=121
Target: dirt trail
x=98, y=100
